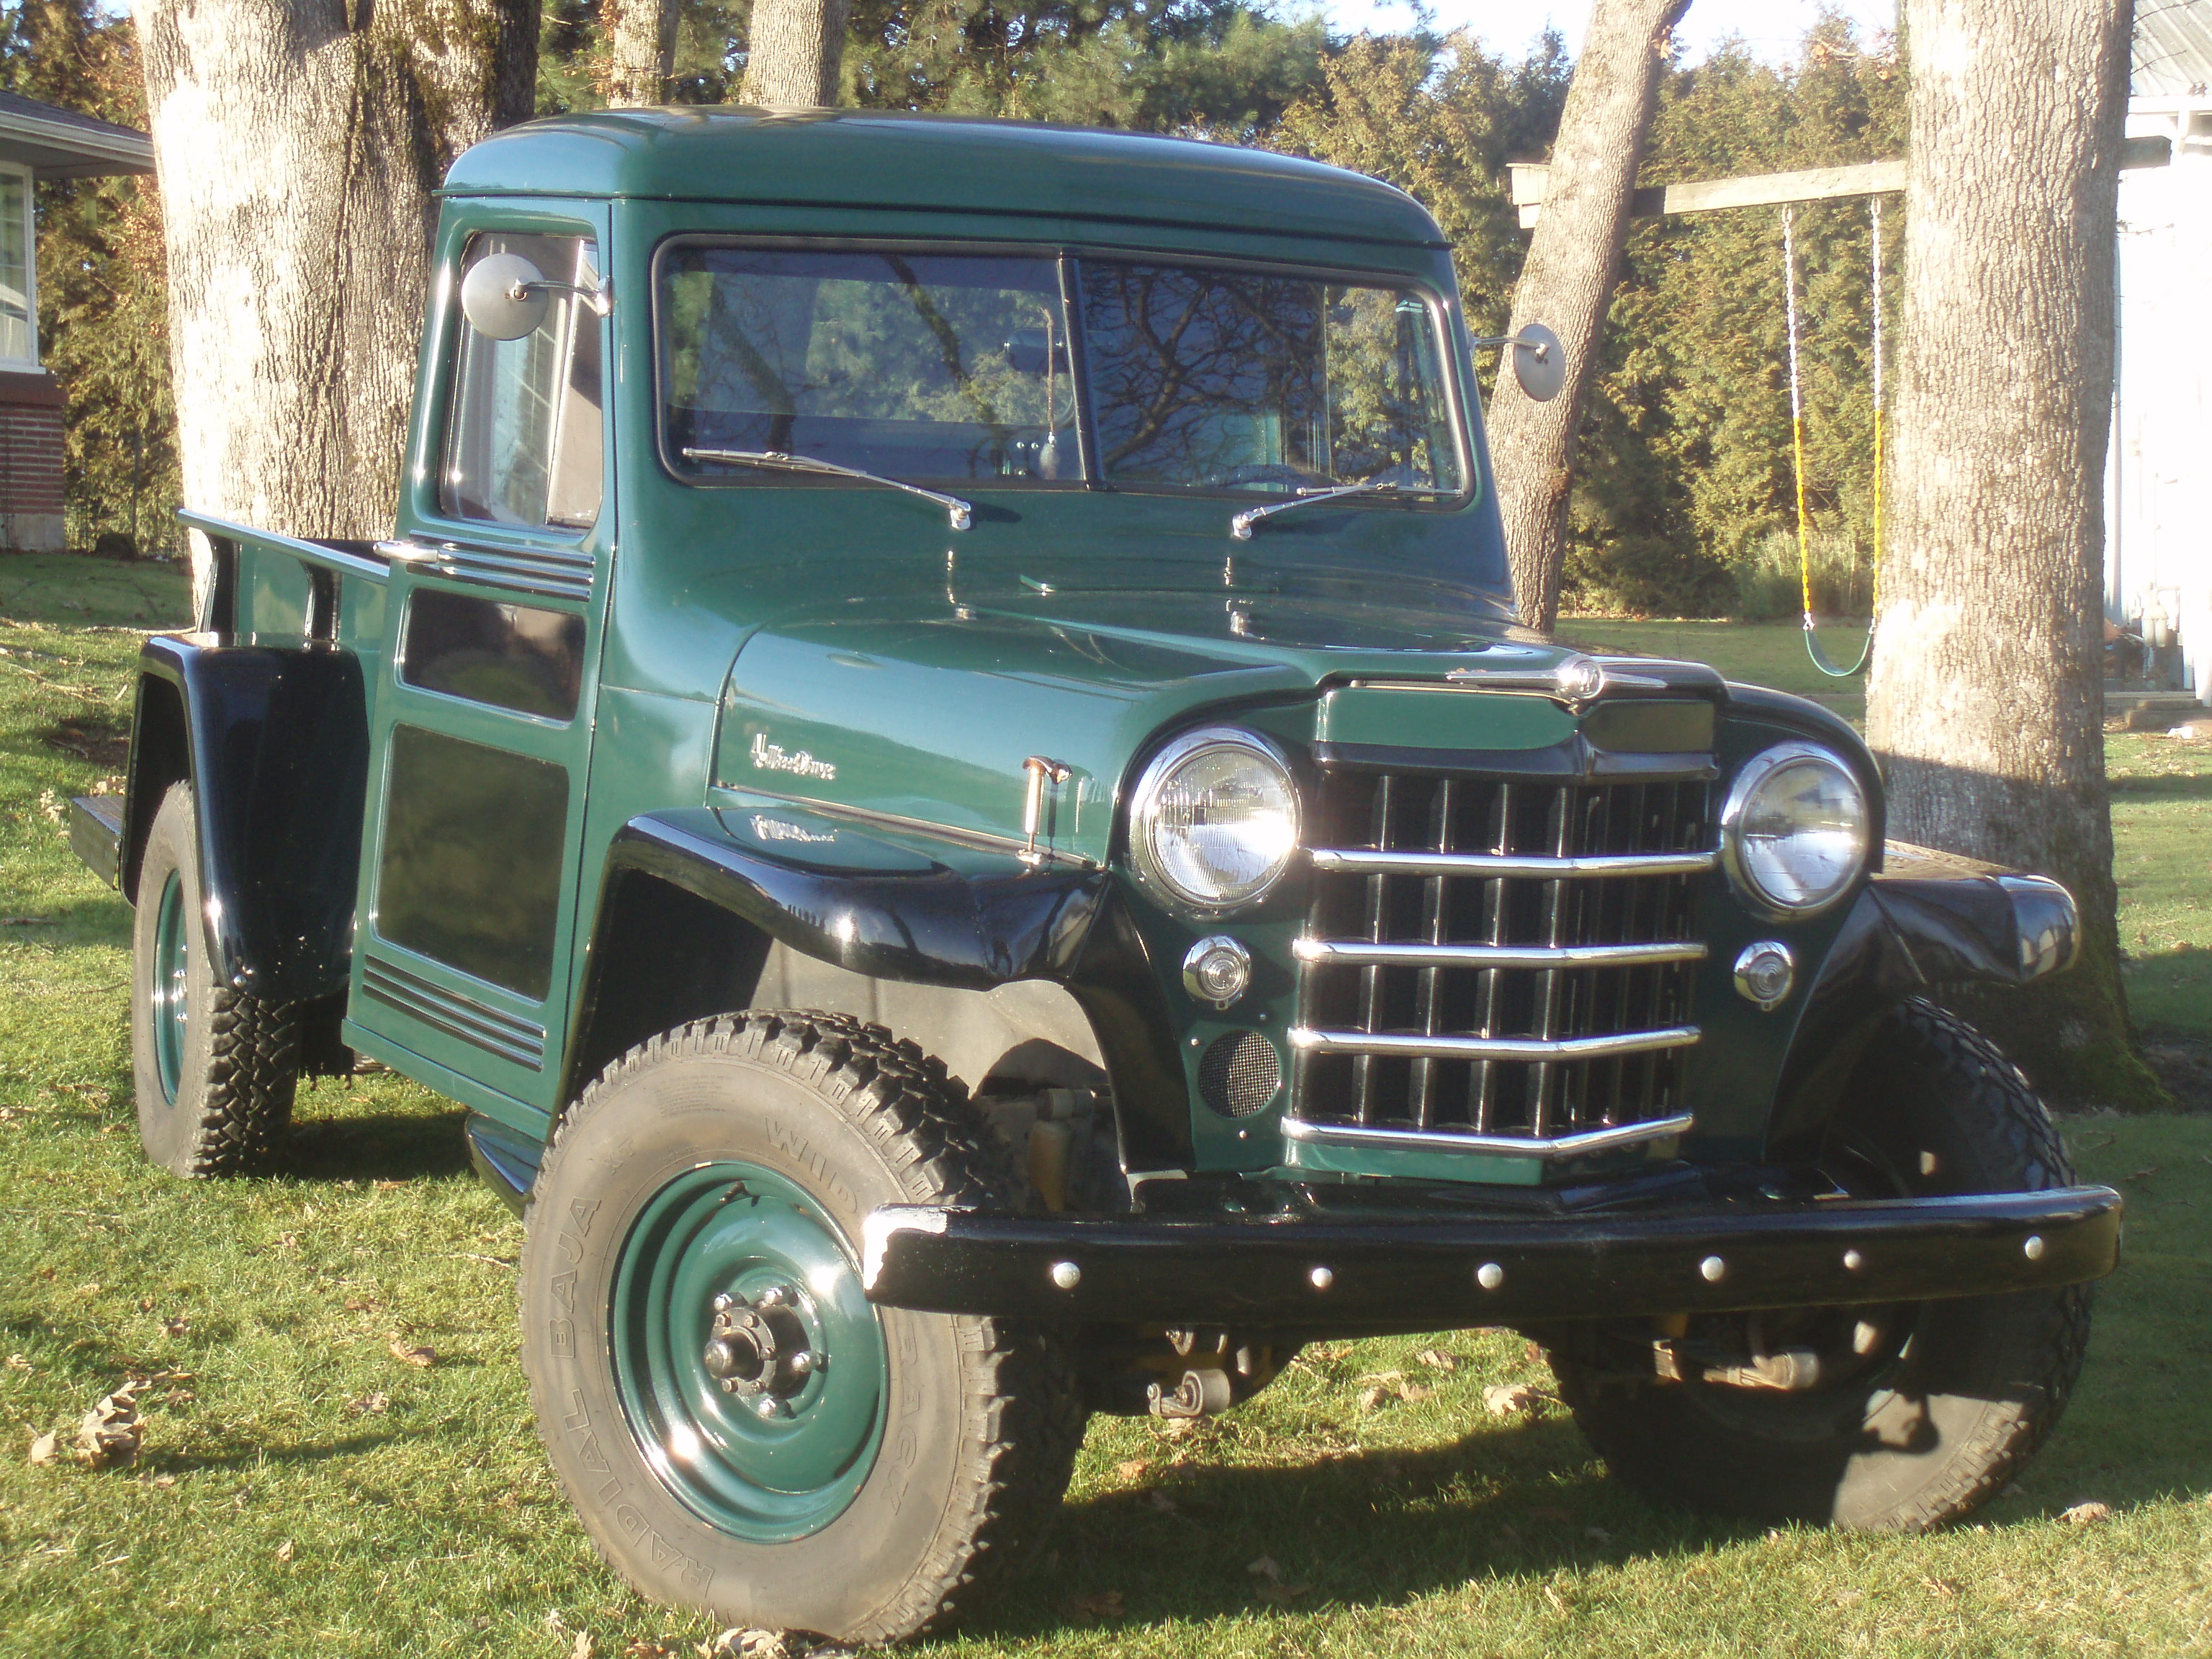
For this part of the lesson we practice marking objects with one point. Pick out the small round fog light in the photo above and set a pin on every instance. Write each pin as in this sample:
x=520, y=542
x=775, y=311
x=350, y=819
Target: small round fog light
x=1216, y=970
x=1765, y=973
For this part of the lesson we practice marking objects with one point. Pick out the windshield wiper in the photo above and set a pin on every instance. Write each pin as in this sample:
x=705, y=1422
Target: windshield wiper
x=1240, y=525
x=775, y=460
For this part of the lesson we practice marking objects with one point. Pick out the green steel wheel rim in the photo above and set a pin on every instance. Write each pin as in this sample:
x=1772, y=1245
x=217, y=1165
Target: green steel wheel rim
x=767, y=1473
x=170, y=992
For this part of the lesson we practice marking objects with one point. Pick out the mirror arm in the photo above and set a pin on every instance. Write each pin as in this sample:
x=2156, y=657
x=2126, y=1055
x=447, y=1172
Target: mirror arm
x=1541, y=348
x=600, y=300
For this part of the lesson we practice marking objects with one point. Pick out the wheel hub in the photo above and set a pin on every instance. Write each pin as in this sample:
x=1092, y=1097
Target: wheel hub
x=758, y=1348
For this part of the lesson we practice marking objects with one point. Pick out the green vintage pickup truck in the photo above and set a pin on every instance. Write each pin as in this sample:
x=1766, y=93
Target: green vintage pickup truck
x=940, y=756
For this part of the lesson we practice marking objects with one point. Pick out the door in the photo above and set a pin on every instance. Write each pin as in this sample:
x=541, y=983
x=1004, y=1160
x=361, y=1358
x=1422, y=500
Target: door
x=483, y=713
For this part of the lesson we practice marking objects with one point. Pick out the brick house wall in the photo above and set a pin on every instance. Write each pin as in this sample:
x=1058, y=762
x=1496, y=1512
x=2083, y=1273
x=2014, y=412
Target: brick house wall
x=30, y=464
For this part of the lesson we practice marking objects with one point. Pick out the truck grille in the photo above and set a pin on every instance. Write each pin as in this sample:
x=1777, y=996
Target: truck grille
x=1498, y=964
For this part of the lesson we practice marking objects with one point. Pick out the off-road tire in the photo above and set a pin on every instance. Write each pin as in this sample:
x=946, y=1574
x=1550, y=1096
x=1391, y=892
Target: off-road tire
x=1948, y=1422
x=984, y=1419
x=241, y=1055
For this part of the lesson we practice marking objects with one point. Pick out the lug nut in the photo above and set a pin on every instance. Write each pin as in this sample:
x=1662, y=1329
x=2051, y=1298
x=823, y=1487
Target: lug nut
x=772, y=1296
x=2033, y=1248
x=1713, y=1269
x=769, y=1407
x=1489, y=1275
x=802, y=1362
x=1854, y=1262
x=1067, y=1275
x=1323, y=1278
x=725, y=1301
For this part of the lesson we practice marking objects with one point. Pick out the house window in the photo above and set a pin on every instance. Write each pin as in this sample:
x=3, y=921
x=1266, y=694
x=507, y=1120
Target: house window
x=18, y=304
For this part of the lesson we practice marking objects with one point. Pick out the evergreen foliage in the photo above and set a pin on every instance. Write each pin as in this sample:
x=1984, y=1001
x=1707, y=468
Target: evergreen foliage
x=1683, y=494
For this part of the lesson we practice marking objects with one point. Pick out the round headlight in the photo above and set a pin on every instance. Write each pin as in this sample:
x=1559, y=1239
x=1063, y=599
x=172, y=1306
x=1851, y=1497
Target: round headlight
x=1796, y=828
x=1215, y=819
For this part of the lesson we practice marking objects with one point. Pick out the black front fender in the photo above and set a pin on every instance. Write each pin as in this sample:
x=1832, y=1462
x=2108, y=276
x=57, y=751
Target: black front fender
x=275, y=743
x=1929, y=919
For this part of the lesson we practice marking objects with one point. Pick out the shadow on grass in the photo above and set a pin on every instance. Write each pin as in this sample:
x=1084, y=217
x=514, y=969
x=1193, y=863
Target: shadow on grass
x=376, y=1146
x=1354, y=1529
x=2163, y=785
x=158, y=1461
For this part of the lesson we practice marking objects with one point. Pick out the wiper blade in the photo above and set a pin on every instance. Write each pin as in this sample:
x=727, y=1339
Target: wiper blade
x=1240, y=525
x=775, y=460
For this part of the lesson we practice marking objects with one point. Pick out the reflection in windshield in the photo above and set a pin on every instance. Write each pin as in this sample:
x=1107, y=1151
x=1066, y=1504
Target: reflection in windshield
x=907, y=365
x=957, y=367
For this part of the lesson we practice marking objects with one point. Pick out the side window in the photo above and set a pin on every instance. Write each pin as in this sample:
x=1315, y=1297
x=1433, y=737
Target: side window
x=522, y=432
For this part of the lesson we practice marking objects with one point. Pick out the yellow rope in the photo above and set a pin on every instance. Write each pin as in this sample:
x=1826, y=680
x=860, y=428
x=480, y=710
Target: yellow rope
x=1797, y=412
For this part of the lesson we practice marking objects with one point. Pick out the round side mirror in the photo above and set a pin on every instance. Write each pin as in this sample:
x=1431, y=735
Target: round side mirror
x=1540, y=362
x=504, y=296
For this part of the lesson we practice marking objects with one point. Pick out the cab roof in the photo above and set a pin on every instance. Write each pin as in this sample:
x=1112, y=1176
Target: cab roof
x=897, y=161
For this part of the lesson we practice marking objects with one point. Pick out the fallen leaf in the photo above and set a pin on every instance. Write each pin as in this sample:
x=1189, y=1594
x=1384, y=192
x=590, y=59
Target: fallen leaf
x=1107, y=1604
x=176, y=1324
x=1370, y=1399
x=1509, y=1399
x=639, y=1647
x=45, y=1448
x=360, y=1303
x=164, y=1481
x=1846, y=1598
x=582, y=1646
x=2086, y=1515
x=17, y=1363
x=1132, y=1469
x=1410, y=1392
x=1559, y=1601
x=370, y=1405
x=387, y=1185
x=409, y=1354
x=145, y=1304
x=1160, y=1501
x=758, y=1643
x=1438, y=1361
x=1598, y=1533
x=284, y=1551
x=2143, y=1174
x=1942, y=1587
x=1281, y=1594
x=1265, y=1567
x=110, y=1433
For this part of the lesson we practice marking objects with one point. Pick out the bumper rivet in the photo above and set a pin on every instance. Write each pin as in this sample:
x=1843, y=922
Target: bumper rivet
x=1489, y=1275
x=1713, y=1269
x=1067, y=1275
x=2033, y=1248
x=1323, y=1278
x=1854, y=1262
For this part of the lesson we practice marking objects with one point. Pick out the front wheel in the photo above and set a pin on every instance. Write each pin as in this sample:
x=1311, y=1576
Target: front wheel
x=739, y=1428
x=1922, y=1414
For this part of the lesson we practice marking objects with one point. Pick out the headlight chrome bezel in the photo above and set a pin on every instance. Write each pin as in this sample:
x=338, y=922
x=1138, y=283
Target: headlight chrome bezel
x=1748, y=779
x=1144, y=802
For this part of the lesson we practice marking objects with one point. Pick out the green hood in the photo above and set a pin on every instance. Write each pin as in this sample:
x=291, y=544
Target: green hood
x=924, y=710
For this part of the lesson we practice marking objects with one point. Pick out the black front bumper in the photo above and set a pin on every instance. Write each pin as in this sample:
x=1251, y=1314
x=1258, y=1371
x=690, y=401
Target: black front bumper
x=1421, y=1272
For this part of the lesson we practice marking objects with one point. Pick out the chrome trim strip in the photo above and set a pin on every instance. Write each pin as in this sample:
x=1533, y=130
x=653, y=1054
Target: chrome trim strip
x=748, y=798
x=548, y=575
x=1419, y=1046
x=1359, y=953
x=1445, y=1140
x=1370, y=862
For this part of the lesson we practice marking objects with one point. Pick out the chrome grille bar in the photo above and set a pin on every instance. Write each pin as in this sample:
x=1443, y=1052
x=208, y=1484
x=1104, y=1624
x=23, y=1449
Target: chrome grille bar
x=1423, y=1140
x=1419, y=1046
x=1359, y=953
x=1364, y=861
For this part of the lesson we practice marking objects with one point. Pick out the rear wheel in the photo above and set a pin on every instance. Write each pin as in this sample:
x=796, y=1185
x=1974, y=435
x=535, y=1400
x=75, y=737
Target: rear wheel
x=1922, y=1414
x=214, y=1069
x=740, y=1430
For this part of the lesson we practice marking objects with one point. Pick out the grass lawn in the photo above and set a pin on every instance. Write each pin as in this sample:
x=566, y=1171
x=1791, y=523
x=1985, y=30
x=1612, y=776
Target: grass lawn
x=304, y=1491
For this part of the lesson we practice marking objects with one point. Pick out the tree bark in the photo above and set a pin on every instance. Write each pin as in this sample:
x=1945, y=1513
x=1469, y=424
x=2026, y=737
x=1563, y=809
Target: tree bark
x=1567, y=282
x=297, y=144
x=1986, y=700
x=640, y=52
x=795, y=52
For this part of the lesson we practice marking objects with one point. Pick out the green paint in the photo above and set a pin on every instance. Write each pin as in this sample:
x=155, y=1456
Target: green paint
x=1431, y=717
x=734, y=1229
x=170, y=990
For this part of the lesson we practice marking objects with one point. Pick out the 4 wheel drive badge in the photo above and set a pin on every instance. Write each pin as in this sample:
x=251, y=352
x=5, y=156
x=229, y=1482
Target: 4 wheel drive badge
x=772, y=757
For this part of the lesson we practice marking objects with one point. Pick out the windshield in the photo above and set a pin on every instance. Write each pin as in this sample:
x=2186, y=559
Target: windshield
x=945, y=367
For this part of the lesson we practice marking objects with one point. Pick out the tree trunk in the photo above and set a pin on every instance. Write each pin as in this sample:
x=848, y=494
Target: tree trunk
x=640, y=52
x=1567, y=282
x=1986, y=701
x=298, y=143
x=794, y=51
